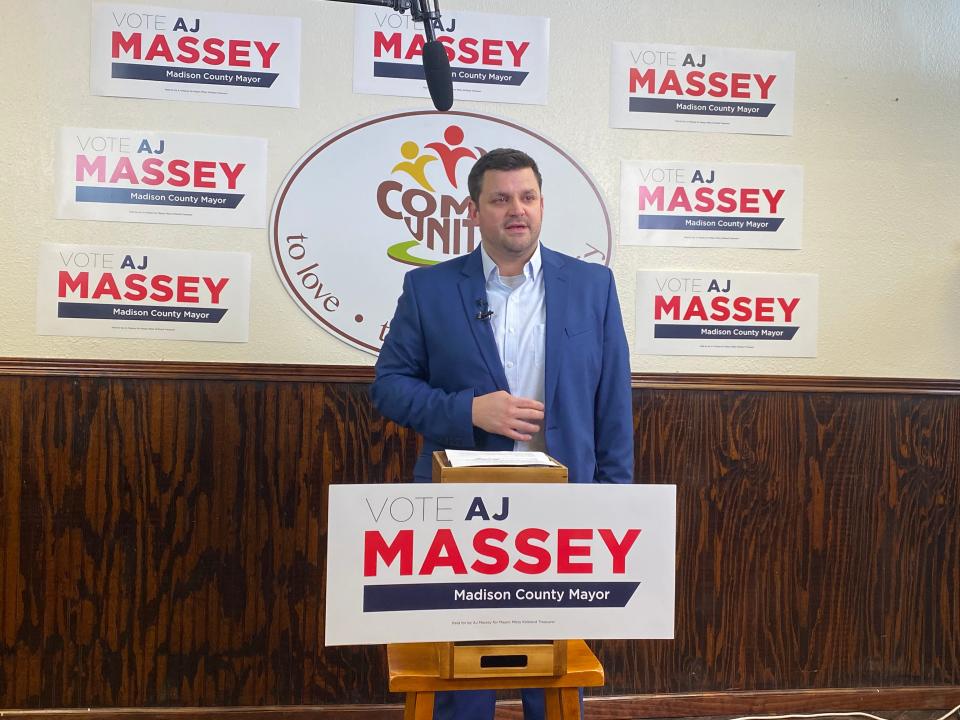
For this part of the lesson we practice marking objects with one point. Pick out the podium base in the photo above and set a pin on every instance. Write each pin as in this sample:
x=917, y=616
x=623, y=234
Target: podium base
x=414, y=669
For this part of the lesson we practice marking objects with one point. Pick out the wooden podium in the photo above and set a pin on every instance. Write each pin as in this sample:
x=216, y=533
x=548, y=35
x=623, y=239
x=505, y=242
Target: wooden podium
x=560, y=667
x=478, y=659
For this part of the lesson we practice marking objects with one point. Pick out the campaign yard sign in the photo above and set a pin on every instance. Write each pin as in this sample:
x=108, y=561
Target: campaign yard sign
x=459, y=562
x=161, y=177
x=709, y=204
x=687, y=312
x=706, y=89
x=493, y=58
x=162, y=53
x=136, y=292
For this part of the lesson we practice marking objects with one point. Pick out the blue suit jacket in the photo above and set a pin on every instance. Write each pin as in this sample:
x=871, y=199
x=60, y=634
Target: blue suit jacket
x=438, y=356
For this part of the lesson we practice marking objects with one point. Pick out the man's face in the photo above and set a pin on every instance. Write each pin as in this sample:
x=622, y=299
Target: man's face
x=509, y=214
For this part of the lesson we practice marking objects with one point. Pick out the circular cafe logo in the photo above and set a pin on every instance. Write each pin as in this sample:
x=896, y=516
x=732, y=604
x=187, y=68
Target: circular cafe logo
x=373, y=200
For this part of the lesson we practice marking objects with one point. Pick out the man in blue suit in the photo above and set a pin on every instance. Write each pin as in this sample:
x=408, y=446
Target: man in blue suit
x=512, y=347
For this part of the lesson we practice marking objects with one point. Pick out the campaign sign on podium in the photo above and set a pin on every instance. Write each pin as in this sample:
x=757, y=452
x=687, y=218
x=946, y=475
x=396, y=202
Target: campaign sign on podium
x=459, y=562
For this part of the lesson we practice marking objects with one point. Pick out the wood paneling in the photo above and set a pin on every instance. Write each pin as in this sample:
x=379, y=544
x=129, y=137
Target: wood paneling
x=912, y=704
x=162, y=536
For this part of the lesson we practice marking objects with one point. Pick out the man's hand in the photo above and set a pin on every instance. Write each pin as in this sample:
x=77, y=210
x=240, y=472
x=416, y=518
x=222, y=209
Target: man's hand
x=514, y=417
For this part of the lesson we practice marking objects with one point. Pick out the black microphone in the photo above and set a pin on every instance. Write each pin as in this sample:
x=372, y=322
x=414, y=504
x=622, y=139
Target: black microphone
x=436, y=68
x=436, y=64
x=485, y=312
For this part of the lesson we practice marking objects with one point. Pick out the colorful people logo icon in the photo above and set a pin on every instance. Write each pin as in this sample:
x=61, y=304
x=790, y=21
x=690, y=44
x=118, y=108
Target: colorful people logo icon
x=414, y=168
x=450, y=154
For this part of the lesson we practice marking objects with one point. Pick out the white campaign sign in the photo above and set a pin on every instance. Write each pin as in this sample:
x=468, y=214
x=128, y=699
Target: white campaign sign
x=688, y=312
x=161, y=177
x=373, y=200
x=163, y=53
x=438, y=562
x=706, y=89
x=136, y=292
x=709, y=204
x=493, y=58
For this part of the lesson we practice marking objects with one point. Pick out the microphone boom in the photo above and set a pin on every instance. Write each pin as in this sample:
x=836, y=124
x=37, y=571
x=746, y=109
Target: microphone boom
x=436, y=65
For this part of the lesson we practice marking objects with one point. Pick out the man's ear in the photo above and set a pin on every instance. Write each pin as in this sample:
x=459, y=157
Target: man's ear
x=472, y=209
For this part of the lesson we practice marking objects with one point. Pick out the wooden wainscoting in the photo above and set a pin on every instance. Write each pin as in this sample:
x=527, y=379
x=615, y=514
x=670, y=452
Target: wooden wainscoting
x=162, y=542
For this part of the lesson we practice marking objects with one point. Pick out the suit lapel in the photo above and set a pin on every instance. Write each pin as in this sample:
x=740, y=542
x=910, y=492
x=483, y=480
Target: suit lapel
x=555, y=292
x=473, y=287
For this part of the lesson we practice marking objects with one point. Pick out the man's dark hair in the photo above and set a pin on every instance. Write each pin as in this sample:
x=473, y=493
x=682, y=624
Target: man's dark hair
x=499, y=159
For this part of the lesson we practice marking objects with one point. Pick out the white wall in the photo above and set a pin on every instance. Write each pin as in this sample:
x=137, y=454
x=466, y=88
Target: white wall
x=877, y=114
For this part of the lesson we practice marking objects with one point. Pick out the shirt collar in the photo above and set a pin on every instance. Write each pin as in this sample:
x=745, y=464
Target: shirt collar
x=491, y=272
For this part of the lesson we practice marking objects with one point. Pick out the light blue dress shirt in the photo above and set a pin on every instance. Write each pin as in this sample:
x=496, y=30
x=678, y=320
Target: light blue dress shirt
x=518, y=323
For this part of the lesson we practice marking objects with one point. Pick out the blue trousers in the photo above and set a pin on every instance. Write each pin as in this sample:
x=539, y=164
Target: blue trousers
x=481, y=704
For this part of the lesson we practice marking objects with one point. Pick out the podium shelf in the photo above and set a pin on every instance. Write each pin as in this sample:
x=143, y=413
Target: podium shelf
x=414, y=667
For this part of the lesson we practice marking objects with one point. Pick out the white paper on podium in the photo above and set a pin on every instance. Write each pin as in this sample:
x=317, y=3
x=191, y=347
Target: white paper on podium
x=476, y=458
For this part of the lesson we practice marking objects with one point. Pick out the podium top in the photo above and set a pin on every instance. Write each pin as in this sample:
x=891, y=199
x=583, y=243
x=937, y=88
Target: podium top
x=443, y=472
